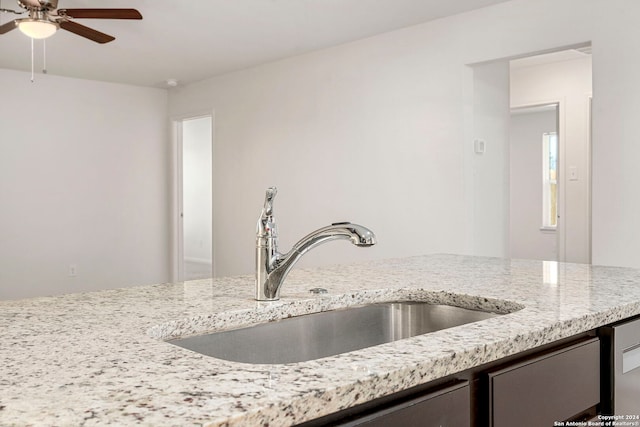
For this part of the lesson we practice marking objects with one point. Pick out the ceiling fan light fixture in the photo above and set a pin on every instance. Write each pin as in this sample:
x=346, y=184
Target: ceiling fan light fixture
x=37, y=28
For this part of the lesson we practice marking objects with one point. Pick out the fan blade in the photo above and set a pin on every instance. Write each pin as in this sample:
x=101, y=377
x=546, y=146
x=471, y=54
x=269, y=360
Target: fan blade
x=5, y=28
x=101, y=13
x=86, y=32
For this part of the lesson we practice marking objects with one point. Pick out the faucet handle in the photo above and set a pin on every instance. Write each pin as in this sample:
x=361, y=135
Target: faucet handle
x=266, y=227
x=268, y=201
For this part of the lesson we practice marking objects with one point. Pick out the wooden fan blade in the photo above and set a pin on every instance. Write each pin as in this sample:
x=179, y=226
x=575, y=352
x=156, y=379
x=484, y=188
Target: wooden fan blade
x=101, y=13
x=86, y=32
x=5, y=28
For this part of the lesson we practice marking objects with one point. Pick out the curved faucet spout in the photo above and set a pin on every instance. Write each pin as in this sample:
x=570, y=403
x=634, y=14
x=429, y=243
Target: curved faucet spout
x=272, y=267
x=283, y=263
x=359, y=236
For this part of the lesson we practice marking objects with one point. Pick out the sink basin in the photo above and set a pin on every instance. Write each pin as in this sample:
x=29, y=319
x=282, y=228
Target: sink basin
x=317, y=335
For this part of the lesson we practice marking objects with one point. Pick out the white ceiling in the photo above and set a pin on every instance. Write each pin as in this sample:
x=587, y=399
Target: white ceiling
x=192, y=40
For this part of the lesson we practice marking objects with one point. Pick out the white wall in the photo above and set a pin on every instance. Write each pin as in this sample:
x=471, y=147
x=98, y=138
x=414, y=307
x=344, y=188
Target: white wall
x=197, y=194
x=568, y=82
x=83, y=181
x=527, y=239
x=345, y=134
x=616, y=149
x=376, y=131
x=490, y=168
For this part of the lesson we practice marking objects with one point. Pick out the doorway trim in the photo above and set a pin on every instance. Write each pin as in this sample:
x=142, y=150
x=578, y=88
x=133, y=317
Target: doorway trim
x=177, y=197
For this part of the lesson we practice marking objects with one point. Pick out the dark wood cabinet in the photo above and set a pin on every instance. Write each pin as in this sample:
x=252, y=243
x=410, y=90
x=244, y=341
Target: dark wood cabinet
x=555, y=382
x=538, y=391
x=447, y=407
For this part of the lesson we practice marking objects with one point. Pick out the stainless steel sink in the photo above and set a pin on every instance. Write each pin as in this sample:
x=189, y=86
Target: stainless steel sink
x=317, y=335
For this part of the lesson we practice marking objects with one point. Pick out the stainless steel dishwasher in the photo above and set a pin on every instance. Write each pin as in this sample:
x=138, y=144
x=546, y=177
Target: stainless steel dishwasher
x=626, y=369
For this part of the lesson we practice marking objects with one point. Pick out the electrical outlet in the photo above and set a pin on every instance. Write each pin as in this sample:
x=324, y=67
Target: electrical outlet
x=73, y=270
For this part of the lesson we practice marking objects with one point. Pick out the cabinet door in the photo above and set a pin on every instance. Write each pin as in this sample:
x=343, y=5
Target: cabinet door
x=448, y=407
x=548, y=388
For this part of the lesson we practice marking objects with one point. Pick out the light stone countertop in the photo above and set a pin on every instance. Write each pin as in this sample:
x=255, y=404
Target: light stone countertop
x=98, y=358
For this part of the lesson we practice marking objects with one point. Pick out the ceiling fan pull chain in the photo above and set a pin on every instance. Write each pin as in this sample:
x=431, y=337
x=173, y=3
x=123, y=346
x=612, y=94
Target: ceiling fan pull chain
x=32, y=76
x=44, y=56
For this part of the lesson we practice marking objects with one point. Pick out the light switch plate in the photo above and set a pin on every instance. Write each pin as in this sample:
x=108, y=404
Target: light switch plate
x=573, y=173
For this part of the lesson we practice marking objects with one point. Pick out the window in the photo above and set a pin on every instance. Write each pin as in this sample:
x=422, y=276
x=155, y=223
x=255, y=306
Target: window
x=549, y=180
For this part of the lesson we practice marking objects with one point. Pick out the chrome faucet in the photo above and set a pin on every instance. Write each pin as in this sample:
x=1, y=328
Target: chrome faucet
x=272, y=267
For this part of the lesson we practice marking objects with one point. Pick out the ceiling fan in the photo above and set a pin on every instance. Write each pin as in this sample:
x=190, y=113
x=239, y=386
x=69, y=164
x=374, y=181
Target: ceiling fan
x=45, y=18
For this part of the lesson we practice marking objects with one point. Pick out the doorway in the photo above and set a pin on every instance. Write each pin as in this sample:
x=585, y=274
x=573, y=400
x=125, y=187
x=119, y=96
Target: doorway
x=194, y=198
x=534, y=186
x=561, y=83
